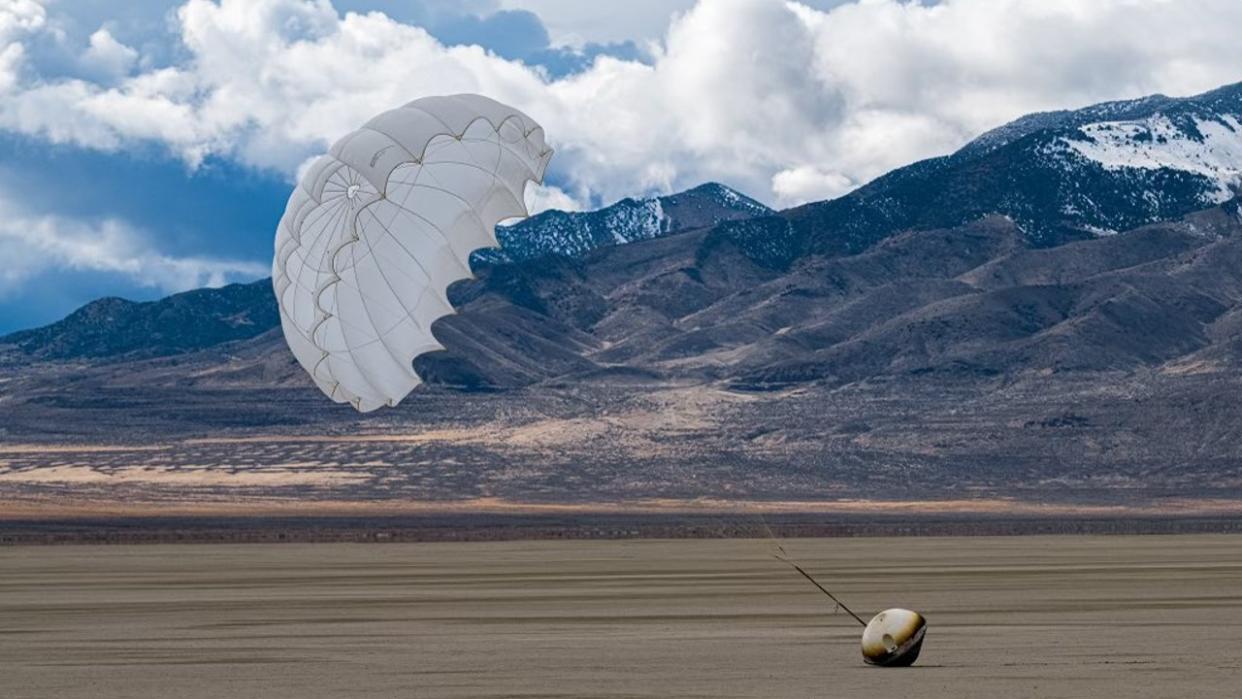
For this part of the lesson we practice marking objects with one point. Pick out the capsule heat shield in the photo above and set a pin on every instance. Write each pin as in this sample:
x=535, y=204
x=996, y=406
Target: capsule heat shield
x=893, y=638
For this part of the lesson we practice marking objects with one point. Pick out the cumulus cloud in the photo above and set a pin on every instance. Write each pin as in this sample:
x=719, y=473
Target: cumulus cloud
x=31, y=244
x=18, y=19
x=540, y=198
x=577, y=23
x=807, y=182
x=783, y=100
x=10, y=62
x=106, y=58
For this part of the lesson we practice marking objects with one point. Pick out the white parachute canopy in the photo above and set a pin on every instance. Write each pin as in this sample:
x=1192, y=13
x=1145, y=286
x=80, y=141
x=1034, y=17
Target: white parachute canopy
x=378, y=229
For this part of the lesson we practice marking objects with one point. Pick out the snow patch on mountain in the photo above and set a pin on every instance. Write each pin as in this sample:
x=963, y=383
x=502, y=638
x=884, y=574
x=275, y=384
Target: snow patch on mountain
x=733, y=198
x=640, y=220
x=573, y=234
x=1208, y=147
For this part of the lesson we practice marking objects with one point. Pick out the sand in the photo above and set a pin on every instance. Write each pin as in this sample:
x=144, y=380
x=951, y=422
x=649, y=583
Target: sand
x=1009, y=617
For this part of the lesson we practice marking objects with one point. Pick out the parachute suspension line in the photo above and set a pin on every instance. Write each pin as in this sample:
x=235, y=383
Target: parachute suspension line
x=822, y=589
x=783, y=557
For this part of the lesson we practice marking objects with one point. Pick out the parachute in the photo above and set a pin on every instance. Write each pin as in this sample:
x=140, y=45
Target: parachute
x=378, y=228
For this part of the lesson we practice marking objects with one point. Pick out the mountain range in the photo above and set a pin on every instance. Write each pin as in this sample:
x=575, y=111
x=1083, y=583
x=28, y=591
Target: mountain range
x=1054, y=311
x=115, y=327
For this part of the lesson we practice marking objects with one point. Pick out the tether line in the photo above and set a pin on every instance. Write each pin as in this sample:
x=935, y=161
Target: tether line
x=784, y=558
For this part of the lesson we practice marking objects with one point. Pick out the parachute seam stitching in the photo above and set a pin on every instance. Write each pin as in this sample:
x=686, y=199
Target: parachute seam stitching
x=416, y=261
x=317, y=294
x=366, y=308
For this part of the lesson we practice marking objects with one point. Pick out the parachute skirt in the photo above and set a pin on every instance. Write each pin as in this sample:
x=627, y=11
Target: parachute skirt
x=379, y=228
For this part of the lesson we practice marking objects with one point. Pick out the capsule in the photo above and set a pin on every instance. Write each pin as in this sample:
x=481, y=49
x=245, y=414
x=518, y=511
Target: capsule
x=893, y=638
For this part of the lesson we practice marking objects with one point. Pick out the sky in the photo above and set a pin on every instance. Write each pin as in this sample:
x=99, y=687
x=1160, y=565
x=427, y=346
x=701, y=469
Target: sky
x=148, y=146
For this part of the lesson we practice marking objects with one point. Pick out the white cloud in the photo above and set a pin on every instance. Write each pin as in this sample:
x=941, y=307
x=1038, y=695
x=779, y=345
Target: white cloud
x=106, y=58
x=574, y=22
x=18, y=18
x=32, y=243
x=10, y=62
x=786, y=102
x=807, y=182
x=540, y=198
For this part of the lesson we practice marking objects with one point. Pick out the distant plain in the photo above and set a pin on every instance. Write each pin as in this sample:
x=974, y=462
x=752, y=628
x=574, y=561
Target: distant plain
x=1150, y=616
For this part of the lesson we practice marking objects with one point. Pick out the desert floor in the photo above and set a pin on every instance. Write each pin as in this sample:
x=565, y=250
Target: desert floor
x=1057, y=616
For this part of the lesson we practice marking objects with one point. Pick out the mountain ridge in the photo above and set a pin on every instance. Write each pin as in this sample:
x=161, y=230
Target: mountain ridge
x=199, y=318
x=1029, y=170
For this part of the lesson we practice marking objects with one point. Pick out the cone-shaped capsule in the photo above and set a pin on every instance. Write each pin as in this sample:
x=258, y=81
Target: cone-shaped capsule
x=893, y=638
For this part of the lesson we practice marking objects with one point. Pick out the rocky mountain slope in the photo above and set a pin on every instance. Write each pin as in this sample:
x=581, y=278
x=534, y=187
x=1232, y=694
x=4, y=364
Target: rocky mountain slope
x=974, y=300
x=113, y=327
